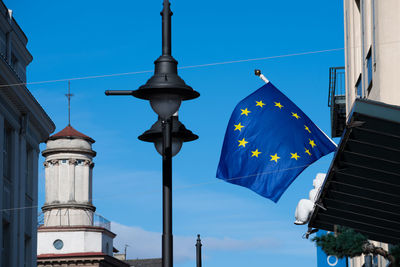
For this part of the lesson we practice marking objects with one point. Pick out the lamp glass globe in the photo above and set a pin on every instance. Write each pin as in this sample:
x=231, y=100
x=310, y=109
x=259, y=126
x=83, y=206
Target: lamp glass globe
x=176, y=146
x=165, y=105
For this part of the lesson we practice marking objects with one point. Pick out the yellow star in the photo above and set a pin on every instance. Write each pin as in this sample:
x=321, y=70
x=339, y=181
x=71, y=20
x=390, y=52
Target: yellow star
x=255, y=153
x=312, y=144
x=242, y=142
x=277, y=104
x=308, y=152
x=238, y=127
x=295, y=115
x=306, y=128
x=274, y=157
x=245, y=112
x=260, y=103
x=294, y=156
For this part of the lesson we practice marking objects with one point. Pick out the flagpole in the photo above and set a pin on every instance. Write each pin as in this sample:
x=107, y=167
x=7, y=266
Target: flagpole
x=262, y=77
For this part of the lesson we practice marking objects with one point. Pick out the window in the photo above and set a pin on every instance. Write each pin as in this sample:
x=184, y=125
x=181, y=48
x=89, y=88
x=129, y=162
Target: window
x=28, y=191
x=3, y=43
x=14, y=62
x=369, y=70
x=358, y=3
x=7, y=165
x=359, y=87
x=7, y=153
x=28, y=251
x=58, y=244
x=373, y=33
x=28, y=215
x=29, y=172
x=375, y=261
x=6, y=246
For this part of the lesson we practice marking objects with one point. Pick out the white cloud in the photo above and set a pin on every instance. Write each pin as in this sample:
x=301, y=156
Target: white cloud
x=147, y=244
x=142, y=243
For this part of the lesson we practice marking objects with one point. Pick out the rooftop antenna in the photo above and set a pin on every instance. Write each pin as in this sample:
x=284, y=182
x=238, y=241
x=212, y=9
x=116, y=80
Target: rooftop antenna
x=126, y=247
x=198, y=251
x=69, y=102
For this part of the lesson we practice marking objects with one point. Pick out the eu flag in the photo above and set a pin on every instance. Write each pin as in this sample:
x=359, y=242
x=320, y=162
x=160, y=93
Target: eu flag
x=269, y=141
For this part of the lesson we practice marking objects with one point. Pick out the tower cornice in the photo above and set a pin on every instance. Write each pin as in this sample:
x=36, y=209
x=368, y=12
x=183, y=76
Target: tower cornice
x=71, y=205
x=51, y=151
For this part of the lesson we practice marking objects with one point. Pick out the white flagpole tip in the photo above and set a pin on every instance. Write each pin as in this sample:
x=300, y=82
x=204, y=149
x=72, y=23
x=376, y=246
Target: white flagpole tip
x=259, y=74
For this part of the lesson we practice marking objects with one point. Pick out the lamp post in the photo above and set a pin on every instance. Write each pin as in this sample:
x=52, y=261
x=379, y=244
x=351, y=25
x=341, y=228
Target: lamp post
x=165, y=90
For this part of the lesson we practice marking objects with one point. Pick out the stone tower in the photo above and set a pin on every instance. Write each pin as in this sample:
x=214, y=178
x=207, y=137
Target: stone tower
x=68, y=172
x=71, y=231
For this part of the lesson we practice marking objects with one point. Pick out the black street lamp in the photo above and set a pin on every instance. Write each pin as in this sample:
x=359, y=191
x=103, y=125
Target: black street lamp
x=179, y=134
x=165, y=90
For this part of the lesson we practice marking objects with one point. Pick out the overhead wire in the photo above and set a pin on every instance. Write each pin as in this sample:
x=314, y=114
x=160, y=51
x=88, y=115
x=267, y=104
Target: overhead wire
x=181, y=68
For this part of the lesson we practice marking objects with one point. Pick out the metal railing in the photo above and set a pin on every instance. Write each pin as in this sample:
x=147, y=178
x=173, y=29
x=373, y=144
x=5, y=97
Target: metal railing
x=337, y=85
x=40, y=220
x=337, y=100
x=98, y=221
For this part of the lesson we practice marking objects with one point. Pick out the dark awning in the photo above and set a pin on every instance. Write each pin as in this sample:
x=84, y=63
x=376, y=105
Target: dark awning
x=362, y=187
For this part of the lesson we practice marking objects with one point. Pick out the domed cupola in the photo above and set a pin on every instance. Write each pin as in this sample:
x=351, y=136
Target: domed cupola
x=68, y=171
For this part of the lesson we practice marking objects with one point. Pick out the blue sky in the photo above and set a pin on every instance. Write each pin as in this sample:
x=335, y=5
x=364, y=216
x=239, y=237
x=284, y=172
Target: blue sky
x=82, y=38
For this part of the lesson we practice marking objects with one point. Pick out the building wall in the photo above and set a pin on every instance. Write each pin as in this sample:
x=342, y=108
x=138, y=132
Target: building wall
x=81, y=260
x=13, y=43
x=23, y=125
x=372, y=50
x=377, y=261
x=372, y=60
x=75, y=240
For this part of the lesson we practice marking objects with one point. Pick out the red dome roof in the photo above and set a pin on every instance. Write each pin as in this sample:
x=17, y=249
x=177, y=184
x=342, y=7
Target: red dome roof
x=70, y=132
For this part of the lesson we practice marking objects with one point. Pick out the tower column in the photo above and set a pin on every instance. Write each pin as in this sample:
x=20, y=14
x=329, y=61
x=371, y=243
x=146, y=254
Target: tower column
x=86, y=182
x=71, y=173
x=47, y=182
x=55, y=190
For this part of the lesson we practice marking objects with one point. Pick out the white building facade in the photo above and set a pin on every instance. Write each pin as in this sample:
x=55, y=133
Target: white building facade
x=372, y=50
x=23, y=125
x=372, y=62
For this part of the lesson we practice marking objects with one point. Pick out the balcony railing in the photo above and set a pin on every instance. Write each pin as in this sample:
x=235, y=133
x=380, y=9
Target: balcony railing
x=98, y=221
x=337, y=100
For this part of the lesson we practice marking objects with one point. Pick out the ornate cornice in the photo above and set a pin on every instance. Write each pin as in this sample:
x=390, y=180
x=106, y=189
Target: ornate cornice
x=55, y=162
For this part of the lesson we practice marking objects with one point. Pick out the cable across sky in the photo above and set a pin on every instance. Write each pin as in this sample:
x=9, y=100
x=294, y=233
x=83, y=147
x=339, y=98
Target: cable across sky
x=183, y=67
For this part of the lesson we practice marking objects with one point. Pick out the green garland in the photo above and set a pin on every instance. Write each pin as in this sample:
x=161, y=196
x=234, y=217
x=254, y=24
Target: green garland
x=395, y=251
x=349, y=243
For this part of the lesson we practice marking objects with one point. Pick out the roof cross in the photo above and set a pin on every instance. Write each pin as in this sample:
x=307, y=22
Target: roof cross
x=69, y=102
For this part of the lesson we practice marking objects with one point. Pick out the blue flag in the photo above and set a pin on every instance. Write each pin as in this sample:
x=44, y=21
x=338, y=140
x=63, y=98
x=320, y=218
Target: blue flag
x=269, y=141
